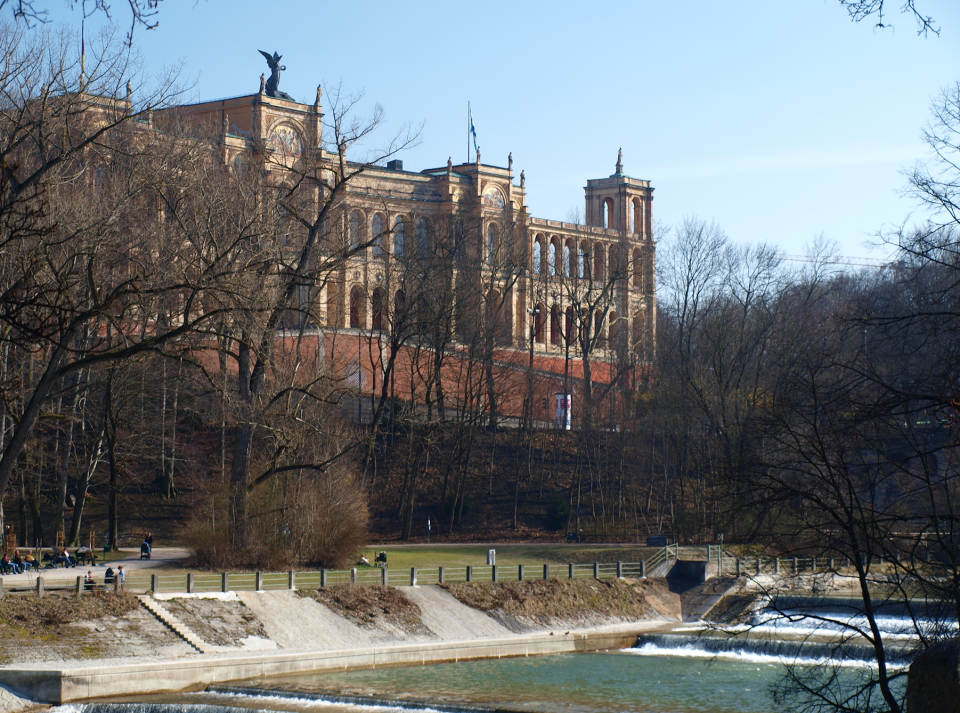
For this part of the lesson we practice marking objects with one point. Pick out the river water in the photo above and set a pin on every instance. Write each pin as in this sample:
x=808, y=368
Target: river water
x=690, y=670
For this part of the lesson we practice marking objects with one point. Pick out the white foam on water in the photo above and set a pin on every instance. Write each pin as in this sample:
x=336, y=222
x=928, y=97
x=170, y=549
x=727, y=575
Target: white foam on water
x=312, y=702
x=744, y=656
x=891, y=628
x=66, y=708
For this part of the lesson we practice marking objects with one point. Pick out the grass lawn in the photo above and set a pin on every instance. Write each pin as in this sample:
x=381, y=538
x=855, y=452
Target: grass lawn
x=427, y=556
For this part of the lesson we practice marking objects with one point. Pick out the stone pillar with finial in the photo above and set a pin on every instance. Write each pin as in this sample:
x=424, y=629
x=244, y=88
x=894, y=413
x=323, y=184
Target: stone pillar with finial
x=315, y=131
x=523, y=179
x=619, y=162
x=129, y=95
x=263, y=83
x=478, y=154
x=510, y=162
x=449, y=165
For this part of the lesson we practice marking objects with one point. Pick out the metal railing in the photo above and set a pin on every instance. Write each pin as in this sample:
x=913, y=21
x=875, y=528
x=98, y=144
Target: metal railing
x=206, y=582
x=201, y=582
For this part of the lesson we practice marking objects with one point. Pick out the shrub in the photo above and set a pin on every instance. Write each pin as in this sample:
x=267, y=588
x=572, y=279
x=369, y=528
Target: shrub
x=314, y=519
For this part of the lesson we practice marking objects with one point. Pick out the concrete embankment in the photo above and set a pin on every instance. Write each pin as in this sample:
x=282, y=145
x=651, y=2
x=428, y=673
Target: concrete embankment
x=76, y=683
x=263, y=634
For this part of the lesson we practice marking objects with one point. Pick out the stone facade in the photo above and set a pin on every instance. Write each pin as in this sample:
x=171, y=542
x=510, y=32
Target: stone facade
x=554, y=288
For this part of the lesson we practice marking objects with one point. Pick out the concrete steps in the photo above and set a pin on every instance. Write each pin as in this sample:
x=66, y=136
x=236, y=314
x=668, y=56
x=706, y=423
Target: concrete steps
x=177, y=626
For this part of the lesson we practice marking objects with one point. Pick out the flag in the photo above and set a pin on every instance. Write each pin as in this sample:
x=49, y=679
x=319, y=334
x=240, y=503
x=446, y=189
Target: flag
x=473, y=131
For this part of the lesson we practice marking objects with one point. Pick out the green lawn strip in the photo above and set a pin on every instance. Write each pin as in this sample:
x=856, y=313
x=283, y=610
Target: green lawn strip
x=427, y=557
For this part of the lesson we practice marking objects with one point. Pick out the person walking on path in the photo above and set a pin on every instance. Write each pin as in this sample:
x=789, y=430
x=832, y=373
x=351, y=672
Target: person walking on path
x=121, y=575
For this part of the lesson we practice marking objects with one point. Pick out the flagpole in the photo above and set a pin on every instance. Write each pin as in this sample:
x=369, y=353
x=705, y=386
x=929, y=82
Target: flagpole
x=468, y=132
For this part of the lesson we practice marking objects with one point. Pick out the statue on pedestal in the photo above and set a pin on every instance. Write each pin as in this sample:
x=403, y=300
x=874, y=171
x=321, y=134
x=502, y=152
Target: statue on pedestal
x=273, y=84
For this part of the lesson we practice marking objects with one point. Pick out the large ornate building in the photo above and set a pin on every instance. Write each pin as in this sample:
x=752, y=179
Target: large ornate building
x=560, y=291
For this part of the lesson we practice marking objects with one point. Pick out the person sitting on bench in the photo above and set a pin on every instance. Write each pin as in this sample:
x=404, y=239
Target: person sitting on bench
x=85, y=555
x=63, y=557
x=381, y=559
x=145, y=550
x=88, y=583
x=108, y=577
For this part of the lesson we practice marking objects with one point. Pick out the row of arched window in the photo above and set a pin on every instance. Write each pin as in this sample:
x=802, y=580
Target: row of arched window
x=498, y=311
x=356, y=234
x=560, y=326
x=608, y=215
x=582, y=260
x=358, y=307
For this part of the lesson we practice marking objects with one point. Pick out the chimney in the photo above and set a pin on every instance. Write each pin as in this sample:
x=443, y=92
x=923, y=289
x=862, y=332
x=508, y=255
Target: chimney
x=395, y=165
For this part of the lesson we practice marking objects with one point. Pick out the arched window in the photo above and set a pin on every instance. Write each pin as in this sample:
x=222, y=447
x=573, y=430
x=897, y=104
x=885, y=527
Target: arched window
x=354, y=230
x=598, y=328
x=555, y=337
x=498, y=316
x=399, y=305
x=598, y=256
x=552, y=258
x=637, y=226
x=357, y=316
x=570, y=327
x=379, y=248
x=399, y=237
x=377, y=305
x=614, y=330
x=638, y=330
x=566, y=260
x=637, y=270
x=613, y=263
x=538, y=256
x=491, y=243
x=423, y=238
x=608, y=213
x=581, y=262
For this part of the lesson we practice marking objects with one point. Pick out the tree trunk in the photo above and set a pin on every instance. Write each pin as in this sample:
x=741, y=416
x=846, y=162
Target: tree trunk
x=169, y=486
x=31, y=414
x=82, y=486
x=110, y=432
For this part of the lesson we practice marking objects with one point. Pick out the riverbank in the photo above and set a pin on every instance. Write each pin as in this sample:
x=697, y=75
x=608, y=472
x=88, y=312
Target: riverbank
x=241, y=635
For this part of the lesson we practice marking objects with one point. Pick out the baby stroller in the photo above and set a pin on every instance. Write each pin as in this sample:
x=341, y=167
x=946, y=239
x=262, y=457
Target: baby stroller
x=145, y=551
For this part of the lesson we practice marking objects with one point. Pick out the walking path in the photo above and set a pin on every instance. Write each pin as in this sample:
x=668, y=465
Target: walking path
x=160, y=557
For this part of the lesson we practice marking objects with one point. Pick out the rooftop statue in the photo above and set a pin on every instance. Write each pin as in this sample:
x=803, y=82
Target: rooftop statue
x=273, y=84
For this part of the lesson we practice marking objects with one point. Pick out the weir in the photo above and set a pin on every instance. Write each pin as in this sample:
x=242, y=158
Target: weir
x=798, y=650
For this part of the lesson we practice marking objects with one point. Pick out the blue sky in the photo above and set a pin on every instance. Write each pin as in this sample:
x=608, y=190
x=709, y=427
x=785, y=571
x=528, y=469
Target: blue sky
x=778, y=120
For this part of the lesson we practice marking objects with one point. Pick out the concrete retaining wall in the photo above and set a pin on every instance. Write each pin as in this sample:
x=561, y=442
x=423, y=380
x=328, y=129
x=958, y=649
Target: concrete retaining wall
x=82, y=683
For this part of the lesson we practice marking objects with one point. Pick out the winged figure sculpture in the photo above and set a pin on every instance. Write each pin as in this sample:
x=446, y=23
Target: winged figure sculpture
x=273, y=84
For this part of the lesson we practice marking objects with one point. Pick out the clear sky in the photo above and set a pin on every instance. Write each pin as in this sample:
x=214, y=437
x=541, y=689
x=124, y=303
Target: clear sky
x=778, y=120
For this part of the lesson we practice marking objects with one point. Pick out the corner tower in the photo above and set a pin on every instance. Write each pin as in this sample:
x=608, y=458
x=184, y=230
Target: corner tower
x=620, y=203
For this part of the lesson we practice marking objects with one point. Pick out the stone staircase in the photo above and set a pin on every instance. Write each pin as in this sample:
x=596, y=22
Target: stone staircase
x=177, y=626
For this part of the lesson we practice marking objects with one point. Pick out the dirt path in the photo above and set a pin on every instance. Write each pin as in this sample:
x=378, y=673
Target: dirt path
x=132, y=564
